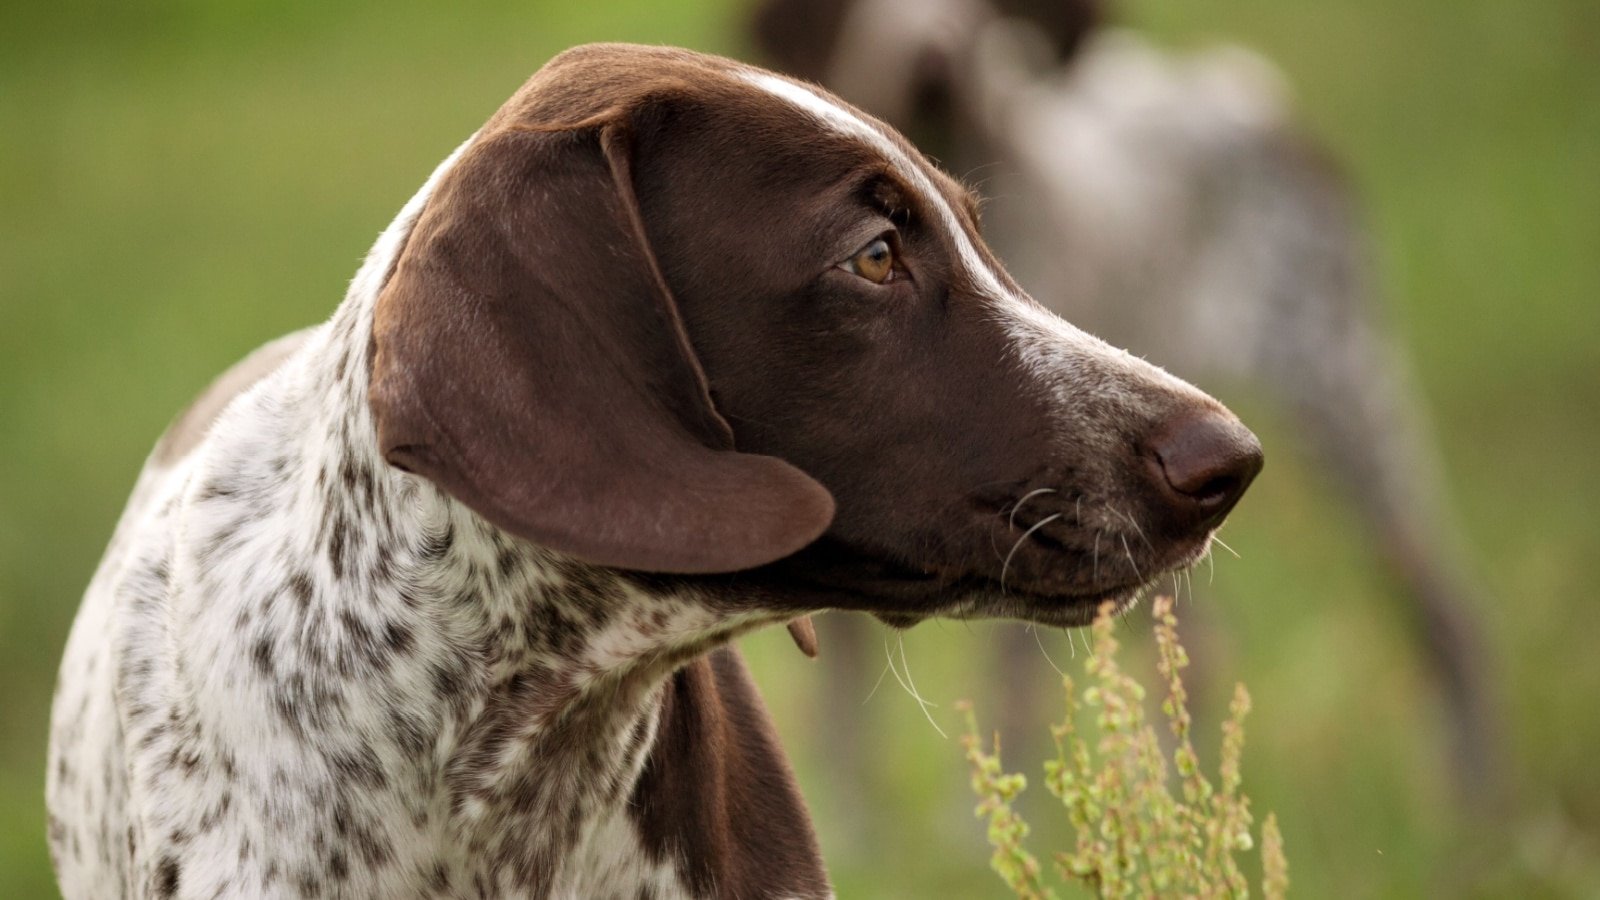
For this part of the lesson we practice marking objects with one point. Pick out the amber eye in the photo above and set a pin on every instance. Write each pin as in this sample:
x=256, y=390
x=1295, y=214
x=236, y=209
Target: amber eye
x=874, y=262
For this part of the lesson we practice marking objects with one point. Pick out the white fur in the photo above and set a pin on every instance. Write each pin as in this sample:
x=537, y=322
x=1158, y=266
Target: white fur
x=194, y=598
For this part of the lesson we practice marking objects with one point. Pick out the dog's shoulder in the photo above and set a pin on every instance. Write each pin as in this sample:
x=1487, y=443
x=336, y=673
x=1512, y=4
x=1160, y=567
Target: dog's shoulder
x=191, y=425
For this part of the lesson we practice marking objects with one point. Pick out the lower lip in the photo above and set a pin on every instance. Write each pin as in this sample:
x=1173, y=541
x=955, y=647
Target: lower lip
x=1059, y=611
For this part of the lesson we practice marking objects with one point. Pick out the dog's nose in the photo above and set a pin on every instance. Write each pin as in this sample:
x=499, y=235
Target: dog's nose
x=1202, y=464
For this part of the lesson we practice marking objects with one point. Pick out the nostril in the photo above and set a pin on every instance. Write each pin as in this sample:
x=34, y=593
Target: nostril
x=1206, y=462
x=1217, y=491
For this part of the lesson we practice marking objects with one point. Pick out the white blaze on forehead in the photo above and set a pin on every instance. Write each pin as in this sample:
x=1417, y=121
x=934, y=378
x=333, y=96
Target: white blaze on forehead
x=846, y=122
x=1046, y=344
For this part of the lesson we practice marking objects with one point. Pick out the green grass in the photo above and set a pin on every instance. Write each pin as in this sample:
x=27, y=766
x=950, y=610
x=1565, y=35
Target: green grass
x=180, y=181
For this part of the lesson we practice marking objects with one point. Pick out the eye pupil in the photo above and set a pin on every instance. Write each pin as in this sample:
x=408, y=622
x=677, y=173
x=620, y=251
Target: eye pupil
x=874, y=262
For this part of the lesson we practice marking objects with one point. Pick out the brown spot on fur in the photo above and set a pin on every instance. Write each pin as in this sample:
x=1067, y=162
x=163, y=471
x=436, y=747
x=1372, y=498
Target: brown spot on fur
x=300, y=586
x=166, y=878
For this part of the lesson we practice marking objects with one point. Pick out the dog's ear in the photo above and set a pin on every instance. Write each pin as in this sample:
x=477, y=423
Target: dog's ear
x=529, y=359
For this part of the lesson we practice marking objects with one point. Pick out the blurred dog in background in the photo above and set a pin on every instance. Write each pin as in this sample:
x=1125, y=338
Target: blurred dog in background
x=1168, y=203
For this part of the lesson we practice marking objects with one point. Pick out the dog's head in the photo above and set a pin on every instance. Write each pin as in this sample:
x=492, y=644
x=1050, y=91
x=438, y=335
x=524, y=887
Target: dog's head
x=672, y=314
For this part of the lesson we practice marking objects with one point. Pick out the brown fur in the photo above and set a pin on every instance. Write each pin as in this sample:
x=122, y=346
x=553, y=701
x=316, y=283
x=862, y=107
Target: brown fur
x=718, y=792
x=602, y=269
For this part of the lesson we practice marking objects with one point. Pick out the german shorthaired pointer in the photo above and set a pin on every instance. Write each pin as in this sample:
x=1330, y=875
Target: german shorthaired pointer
x=434, y=599
x=1208, y=231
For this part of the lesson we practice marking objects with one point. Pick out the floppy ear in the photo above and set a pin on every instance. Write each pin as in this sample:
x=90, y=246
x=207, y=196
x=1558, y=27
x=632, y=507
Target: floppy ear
x=530, y=360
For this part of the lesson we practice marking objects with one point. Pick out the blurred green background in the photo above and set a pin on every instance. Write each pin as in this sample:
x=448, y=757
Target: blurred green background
x=181, y=180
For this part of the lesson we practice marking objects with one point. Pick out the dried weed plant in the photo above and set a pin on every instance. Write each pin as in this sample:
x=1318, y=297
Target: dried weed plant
x=1135, y=836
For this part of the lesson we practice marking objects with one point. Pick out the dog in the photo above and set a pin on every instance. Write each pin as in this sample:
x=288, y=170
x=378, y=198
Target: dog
x=1208, y=231
x=435, y=599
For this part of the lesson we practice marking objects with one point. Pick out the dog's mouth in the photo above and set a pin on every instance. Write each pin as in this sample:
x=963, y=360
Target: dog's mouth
x=902, y=594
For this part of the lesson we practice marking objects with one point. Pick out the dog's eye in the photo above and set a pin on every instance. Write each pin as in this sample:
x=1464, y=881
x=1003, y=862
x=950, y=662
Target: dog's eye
x=875, y=262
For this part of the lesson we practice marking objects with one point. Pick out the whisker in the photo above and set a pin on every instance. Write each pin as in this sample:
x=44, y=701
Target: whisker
x=1095, y=576
x=1136, y=529
x=910, y=687
x=1045, y=652
x=1006, y=566
x=1012, y=521
x=1220, y=543
x=879, y=682
x=1129, y=554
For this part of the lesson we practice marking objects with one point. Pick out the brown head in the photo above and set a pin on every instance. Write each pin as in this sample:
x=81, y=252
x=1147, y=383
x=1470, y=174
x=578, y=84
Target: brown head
x=676, y=315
